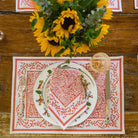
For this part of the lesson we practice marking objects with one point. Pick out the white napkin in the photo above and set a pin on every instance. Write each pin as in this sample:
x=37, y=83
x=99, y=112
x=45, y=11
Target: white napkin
x=66, y=98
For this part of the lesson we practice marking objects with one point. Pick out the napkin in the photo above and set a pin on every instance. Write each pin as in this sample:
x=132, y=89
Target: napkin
x=66, y=98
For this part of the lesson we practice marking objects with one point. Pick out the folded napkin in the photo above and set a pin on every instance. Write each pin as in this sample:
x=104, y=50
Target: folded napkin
x=66, y=98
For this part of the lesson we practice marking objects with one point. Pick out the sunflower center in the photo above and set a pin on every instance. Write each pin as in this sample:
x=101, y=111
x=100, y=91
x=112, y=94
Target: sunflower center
x=67, y=23
x=52, y=42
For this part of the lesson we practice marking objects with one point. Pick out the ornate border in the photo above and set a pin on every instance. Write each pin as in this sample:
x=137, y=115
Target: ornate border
x=104, y=127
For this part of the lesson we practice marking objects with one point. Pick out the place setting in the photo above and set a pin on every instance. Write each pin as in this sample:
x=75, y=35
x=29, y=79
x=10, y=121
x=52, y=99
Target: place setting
x=80, y=95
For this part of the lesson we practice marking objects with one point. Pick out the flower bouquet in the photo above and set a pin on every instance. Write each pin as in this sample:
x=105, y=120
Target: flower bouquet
x=69, y=27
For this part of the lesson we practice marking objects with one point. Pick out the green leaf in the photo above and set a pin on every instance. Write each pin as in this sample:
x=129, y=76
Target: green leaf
x=109, y=31
x=67, y=61
x=80, y=17
x=49, y=71
x=82, y=76
x=99, y=44
x=88, y=103
x=68, y=4
x=38, y=91
x=86, y=3
x=94, y=3
x=70, y=54
x=65, y=66
x=33, y=23
x=46, y=25
x=41, y=81
x=64, y=43
x=40, y=14
x=60, y=52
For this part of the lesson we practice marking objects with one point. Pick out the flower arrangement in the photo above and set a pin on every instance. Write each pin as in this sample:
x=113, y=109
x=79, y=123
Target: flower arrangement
x=69, y=27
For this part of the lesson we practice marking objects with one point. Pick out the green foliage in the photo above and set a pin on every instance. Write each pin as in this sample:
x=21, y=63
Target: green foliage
x=60, y=52
x=33, y=23
x=41, y=81
x=40, y=14
x=46, y=26
x=67, y=61
x=86, y=3
x=94, y=18
x=38, y=91
x=88, y=104
x=49, y=71
x=92, y=33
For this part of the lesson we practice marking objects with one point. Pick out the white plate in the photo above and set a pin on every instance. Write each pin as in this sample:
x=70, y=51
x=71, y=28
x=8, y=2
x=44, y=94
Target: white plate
x=91, y=93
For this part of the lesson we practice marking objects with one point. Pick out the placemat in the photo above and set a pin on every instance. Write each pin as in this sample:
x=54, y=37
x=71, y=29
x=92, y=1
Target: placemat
x=115, y=5
x=26, y=5
x=32, y=122
x=136, y=4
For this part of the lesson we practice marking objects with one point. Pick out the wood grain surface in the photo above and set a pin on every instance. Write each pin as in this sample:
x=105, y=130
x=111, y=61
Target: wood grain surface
x=19, y=41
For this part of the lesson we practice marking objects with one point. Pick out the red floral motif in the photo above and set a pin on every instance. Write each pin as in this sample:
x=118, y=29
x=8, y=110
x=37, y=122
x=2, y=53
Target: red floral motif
x=26, y=3
x=65, y=112
x=66, y=85
x=112, y=2
x=32, y=70
x=31, y=123
x=115, y=5
x=99, y=112
x=98, y=123
x=95, y=119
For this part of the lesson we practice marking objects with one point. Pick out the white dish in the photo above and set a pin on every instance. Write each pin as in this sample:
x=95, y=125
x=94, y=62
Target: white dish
x=91, y=93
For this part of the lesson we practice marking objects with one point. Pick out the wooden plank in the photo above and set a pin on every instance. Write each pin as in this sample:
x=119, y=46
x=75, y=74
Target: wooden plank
x=131, y=129
x=128, y=6
x=130, y=80
x=20, y=41
x=9, y=5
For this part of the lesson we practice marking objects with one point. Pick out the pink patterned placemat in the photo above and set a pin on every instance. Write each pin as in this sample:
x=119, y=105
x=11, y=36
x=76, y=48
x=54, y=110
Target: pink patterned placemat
x=136, y=4
x=115, y=5
x=32, y=122
x=25, y=5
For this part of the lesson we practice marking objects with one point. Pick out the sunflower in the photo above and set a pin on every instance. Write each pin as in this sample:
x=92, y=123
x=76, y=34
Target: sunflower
x=102, y=3
x=51, y=44
x=108, y=15
x=39, y=24
x=42, y=36
x=103, y=32
x=67, y=23
x=66, y=52
x=62, y=1
x=83, y=48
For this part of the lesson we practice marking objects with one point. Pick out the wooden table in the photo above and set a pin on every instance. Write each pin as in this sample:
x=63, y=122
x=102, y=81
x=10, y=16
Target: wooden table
x=19, y=41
